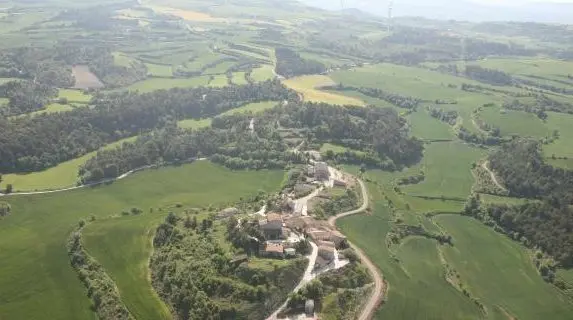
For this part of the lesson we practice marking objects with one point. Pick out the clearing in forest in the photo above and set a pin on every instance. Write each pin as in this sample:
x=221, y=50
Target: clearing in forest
x=309, y=87
x=85, y=79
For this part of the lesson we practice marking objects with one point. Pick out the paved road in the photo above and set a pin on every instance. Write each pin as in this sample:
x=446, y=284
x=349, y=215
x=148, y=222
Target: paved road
x=306, y=278
x=376, y=298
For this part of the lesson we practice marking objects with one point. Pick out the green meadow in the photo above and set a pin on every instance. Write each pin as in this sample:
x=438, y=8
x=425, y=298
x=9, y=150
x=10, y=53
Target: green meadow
x=39, y=281
x=64, y=175
x=153, y=84
x=263, y=73
x=447, y=168
x=417, y=287
x=500, y=273
x=563, y=146
x=425, y=127
x=512, y=122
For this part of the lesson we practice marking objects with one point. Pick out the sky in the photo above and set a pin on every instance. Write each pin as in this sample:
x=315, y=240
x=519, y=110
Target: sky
x=518, y=2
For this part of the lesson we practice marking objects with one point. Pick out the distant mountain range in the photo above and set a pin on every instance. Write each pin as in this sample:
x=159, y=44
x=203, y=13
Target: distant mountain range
x=547, y=12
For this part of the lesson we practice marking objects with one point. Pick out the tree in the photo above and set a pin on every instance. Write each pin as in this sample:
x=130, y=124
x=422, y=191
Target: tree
x=9, y=188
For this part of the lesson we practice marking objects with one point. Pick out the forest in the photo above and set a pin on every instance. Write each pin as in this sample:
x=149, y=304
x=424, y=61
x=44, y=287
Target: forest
x=39, y=142
x=229, y=140
x=291, y=64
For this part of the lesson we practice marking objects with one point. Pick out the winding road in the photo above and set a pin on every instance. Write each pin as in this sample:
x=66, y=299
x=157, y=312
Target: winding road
x=378, y=294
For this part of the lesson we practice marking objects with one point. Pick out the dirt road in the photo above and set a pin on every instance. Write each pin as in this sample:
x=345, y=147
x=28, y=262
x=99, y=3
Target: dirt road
x=378, y=294
x=492, y=175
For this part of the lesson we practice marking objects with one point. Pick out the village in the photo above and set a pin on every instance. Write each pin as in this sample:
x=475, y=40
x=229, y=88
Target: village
x=292, y=231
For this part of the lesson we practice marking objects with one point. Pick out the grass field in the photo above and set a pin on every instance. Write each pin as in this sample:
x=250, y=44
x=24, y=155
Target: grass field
x=263, y=73
x=512, y=122
x=194, y=123
x=39, y=281
x=251, y=107
x=425, y=127
x=417, y=289
x=53, y=108
x=123, y=246
x=239, y=78
x=74, y=96
x=562, y=147
x=219, y=80
x=423, y=84
x=153, y=84
x=500, y=273
x=307, y=86
x=448, y=174
x=122, y=60
x=159, y=70
x=63, y=175
x=526, y=66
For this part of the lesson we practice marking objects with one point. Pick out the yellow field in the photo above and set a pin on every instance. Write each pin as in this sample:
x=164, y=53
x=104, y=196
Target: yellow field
x=307, y=86
x=187, y=14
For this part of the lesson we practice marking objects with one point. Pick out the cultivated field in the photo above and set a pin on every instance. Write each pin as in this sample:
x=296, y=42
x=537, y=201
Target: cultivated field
x=500, y=273
x=85, y=79
x=153, y=84
x=308, y=87
x=40, y=281
x=448, y=174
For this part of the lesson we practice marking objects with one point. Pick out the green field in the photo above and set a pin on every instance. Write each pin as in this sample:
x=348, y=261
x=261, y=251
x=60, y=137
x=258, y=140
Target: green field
x=263, y=73
x=549, y=68
x=500, y=272
x=562, y=147
x=74, y=96
x=511, y=122
x=239, y=78
x=123, y=246
x=64, y=175
x=122, y=60
x=417, y=288
x=194, y=123
x=53, y=108
x=448, y=174
x=159, y=70
x=219, y=80
x=160, y=83
x=39, y=280
x=425, y=127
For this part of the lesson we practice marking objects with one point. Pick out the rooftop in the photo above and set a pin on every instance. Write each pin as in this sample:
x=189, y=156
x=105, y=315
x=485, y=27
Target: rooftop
x=274, y=247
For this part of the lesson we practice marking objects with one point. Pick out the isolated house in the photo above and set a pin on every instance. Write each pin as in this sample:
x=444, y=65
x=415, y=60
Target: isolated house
x=272, y=226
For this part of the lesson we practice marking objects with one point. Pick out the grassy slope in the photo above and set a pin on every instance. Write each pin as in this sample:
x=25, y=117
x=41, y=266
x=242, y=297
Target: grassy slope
x=265, y=72
x=562, y=147
x=418, y=289
x=447, y=171
x=61, y=176
x=426, y=127
x=515, y=123
x=39, y=281
x=153, y=84
x=420, y=83
x=500, y=273
x=123, y=247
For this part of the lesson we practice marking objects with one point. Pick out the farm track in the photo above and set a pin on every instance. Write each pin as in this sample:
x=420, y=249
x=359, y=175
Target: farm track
x=123, y=176
x=379, y=287
x=492, y=175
